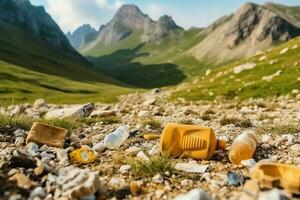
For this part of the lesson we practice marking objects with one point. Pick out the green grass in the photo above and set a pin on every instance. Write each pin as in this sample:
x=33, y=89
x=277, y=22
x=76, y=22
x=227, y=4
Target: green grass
x=22, y=122
x=152, y=122
x=246, y=123
x=155, y=165
x=279, y=129
x=222, y=82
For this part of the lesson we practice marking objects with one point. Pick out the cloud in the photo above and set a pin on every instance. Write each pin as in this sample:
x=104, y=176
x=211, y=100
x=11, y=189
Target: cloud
x=70, y=14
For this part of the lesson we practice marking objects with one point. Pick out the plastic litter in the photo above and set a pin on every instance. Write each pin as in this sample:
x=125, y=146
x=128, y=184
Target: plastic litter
x=243, y=147
x=83, y=155
x=151, y=136
x=271, y=175
x=193, y=141
x=115, y=139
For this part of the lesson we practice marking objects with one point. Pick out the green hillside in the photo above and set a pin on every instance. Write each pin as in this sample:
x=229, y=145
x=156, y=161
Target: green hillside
x=149, y=65
x=276, y=73
x=18, y=84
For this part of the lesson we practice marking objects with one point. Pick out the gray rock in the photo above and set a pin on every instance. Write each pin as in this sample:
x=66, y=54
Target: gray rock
x=39, y=103
x=19, y=133
x=37, y=192
x=124, y=169
x=157, y=179
x=32, y=148
x=62, y=156
x=75, y=111
x=191, y=167
x=274, y=194
x=19, y=141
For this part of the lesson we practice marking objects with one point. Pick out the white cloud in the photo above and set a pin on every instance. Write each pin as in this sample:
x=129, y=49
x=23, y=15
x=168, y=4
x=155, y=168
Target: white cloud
x=70, y=14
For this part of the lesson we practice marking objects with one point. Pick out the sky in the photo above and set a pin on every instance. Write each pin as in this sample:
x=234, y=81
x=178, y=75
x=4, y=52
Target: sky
x=70, y=14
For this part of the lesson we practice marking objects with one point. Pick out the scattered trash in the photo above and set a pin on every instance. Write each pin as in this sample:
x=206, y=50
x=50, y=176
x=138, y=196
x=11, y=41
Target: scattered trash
x=75, y=183
x=191, y=167
x=194, y=194
x=250, y=163
x=83, y=155
x=271, y=175
x=243, y=147
x=142, y=156
x=197, y=142
x=115, y=139
x=235, y=179
x=46, y=134
x=151, y=136
x=21, y=180
x=76, y=112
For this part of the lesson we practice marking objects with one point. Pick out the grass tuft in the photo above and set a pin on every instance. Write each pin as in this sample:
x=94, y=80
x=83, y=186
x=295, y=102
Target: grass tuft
x=15, y=122
x=153, y=123
x=109, y=120
x=279, y=129
x=156, y=164
x=246, y=123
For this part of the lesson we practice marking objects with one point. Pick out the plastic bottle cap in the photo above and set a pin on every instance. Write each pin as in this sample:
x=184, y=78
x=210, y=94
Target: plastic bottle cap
x=222, y=144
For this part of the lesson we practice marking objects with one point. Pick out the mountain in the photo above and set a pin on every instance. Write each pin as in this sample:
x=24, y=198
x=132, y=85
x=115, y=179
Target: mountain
x=81, y=35
x=252, y=28
x=36, y=59
x=270, y=73
x=130, y=20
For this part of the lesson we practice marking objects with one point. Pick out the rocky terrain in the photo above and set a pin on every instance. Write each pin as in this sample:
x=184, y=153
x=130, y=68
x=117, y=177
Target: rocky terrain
x=136, y=170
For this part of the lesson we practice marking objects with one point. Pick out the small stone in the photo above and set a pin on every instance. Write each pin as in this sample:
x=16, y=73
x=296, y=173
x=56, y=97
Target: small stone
x=159, y=193
x=295, y=91
x=47, y=156
x=157, y=179
x=19, y=133
x=32, y=148
x=142, y=156
x=283, y=51
x=39, y=103
x=75, y=111
x=99, y=147
x=22, y=180
x=250, y=190
x=103, y=113
x=235, y=179
x=88, y=197
x=12, y=172
x=116, y=182
x=133, y=150
x=62, y=156
x=46, y=134
x=144, y=113
x=124, y=169
x=37, y=192
x=149, y=102
x=155, y=150
x=266, y=138
x=186, y=183
x=191, y=167
x=135, y=187
x=249, y=163
x=296, y=149
x=19, y=141
x=194, y=194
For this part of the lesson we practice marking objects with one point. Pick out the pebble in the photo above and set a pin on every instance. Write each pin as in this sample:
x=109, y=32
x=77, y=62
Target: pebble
x=194, y=194
x=266, y=138
x=19, y=141
x=32, y=148
x=124, y=169
x=133, y=150
x=157, y=179
x=186, y=183
x=191, y=167
x=142, y=156
x=19, y=133
x=155, y=150
x=37, y=192
x=296, y=148
x=274, y=194
x=144, y=113
x=249, y=163
x=99, y=147
x=235, y=179
x=47, y=156
x=62, y=156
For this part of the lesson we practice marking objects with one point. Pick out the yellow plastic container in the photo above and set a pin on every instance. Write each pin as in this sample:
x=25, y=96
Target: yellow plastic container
x=193, y=141
x=271, y=175
x=84, y=155
x=243, y=147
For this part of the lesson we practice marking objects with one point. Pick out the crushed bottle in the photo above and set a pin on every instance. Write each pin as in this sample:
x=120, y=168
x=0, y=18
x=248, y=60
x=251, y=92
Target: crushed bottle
x=193, y=141
x=115, y=139
x=243, y=147
x=83, y=155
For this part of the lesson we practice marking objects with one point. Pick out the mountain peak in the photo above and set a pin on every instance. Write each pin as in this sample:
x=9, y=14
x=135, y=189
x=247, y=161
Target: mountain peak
x=168, y=22
x=128, y=10
x=81, y=35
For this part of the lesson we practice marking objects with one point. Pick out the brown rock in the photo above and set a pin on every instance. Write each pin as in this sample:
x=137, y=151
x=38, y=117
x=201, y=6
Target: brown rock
x=21, y=180
x=250, y=190
x=47, y=134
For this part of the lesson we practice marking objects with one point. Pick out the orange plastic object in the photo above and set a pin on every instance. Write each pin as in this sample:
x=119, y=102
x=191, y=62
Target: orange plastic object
x=197, y=142
x=84, y=155
x=151, y=136
x=243, y=147
x=271, y=175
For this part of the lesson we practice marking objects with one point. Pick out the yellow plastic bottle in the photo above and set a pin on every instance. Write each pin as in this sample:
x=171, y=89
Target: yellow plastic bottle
x=243, y=147
x=193, y=141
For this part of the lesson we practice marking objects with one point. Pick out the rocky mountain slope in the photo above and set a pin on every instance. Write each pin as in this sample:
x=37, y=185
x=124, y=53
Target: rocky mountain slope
x=81, y=35
x=251, y=28
x=128, y=20
x=36, y=59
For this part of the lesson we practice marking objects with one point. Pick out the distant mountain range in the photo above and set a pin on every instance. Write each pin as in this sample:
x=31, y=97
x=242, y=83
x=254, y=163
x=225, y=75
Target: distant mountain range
x=130, y=51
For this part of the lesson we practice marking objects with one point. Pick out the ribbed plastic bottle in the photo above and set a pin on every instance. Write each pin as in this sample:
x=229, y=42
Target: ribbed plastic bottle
x=193, y=141
x=243, y=147
x=115, y=139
